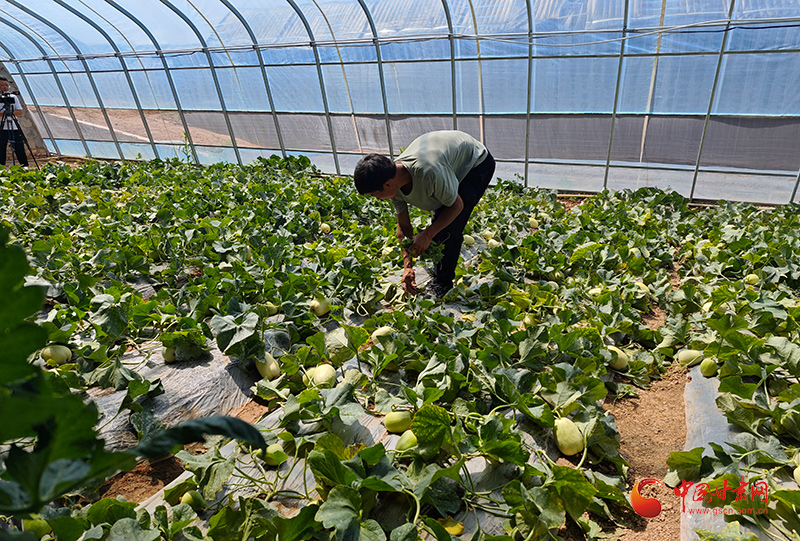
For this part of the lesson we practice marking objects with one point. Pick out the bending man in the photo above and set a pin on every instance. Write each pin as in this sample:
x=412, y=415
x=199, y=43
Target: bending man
x=446, y=172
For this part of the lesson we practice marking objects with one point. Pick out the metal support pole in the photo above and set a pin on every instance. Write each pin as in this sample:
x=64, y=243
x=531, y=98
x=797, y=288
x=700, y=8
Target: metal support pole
x=451, y=39
x=616, y=93
x=530, y=90
x=380, y=75
x=711, y=99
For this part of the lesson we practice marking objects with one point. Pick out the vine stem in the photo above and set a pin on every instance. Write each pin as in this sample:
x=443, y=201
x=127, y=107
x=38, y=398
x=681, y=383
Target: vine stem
x=416, y=502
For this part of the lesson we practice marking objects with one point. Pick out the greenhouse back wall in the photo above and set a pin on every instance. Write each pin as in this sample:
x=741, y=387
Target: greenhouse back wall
x=695, y=95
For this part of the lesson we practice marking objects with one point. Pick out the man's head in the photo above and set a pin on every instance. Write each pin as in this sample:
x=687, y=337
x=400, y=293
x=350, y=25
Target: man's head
x=4, y=86
x=372, y=173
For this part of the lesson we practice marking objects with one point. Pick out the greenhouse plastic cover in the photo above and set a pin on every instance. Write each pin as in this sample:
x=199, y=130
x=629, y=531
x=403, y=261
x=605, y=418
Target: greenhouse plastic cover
x=699, y=95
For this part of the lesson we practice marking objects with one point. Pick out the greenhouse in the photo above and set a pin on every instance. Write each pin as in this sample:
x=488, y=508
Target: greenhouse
x=700, y=96
x=479, y=270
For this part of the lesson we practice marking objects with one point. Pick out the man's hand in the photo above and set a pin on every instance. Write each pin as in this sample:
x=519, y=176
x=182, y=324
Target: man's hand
x=421, y=243
x=409, y=281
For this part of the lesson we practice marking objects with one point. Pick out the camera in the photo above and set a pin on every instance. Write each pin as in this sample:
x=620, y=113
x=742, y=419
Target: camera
x=7, y=98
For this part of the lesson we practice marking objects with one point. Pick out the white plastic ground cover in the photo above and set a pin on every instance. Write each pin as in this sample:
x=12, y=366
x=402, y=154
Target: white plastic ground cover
x=705, y=423
x=217, y=385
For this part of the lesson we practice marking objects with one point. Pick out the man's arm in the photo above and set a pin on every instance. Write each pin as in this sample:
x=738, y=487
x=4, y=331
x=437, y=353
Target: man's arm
x=423, y=239
x=405, y=230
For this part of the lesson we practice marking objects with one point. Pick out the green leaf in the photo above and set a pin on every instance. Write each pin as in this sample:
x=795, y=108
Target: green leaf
x=406, y=532
x=686, y=464
x=196, y=430
x=129, y=529
x=573, y=487
x=110, y=510
x=431, y=426
x=731, y=533
x=341, y=510
x=210, y=469
x=67, y=528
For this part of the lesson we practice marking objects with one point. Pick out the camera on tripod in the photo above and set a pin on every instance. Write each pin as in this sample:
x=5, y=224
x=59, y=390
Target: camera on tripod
x=7, y=99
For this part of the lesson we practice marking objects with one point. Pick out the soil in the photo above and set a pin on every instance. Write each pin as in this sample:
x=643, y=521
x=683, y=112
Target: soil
x=143, y=481
x=651, y=426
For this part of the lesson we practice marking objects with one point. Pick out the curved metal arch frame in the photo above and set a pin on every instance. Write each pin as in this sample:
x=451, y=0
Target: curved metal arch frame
x=314, y=47
x=58, y=84
x=111, y=42
x=213, y=69
x=376, y=41
x=29, y=90
x=85, y=68
x=720, y=58
x=451, y=38
x=263, y=67
x=167, y=73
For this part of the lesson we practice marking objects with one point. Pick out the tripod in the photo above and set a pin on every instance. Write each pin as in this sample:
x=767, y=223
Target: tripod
x=8, y=118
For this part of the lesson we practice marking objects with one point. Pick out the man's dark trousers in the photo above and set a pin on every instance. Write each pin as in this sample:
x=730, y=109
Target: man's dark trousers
x=471, y=190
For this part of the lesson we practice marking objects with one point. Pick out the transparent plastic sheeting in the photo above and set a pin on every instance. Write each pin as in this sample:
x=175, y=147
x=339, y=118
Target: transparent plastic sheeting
x=665, y=90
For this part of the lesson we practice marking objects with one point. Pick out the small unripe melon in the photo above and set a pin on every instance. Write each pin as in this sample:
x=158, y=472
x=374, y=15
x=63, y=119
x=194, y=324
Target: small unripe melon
x=689, y=357
x=619, y=359
x=323, y=375
x=406, y=441
x=270, y=368
x=751, y=279
x=569, y=439
x=397, y=422
x=708, y=367
x=56, y=354
x=381, y=331
x=168, y=353
x=469, y=240
x=194, y=499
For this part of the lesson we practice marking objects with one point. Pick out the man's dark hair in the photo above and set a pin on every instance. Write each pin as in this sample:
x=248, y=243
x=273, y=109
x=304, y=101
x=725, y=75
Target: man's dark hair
x=4, y=79
x=372, y=172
